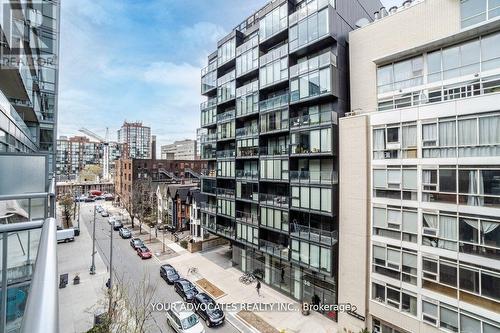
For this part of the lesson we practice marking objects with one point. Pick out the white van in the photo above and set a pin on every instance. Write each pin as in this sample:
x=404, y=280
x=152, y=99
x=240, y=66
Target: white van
x=66, y=235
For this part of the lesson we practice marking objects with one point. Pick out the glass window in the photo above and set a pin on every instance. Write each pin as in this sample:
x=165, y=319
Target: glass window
x=470, y=57
x=447, y=180
x=434, y=66
x=385, y=78
x=490, y=52
x=379, y=217
x=451, y=62
x=314, y=259
x=467, y=132
x=379, y=178
x=323, y=22
x=449, y=319
x=325, y=259
x=490, y=180
x=469, y=279
x=472, y=12
x=393, y=135
x=490, y=285
x=468, y=324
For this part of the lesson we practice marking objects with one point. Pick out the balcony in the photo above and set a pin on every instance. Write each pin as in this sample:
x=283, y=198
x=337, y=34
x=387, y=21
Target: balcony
x=208, y=208
x=314, y=235
x=248, y=152
x=273, y=103
x=229, y=153
x=247, y=217
x=246, y=132
x=210, y=103
x=210, y=173
x=247, y=174
x=313, y=120
x=226, y=193
x=274, y=151
x=29, y=301
x=209, y=138
x=274, y=200
x=226, y=116
x=274, y=249
x=208, y=155
x=320, y=61
x=314, y=177
x=226, y=231
x=311, y=8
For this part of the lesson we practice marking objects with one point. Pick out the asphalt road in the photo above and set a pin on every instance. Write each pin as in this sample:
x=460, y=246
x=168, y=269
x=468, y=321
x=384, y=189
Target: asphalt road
x=130, y=268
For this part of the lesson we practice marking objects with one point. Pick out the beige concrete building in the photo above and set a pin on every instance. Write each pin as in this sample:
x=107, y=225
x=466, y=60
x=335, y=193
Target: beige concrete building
x=420, y=193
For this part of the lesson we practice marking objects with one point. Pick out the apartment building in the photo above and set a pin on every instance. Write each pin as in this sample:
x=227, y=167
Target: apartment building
x=420, y=193
x=180, y=150
x=275, y=88
x=137, y=140
x=29, y=47
x=74, y=153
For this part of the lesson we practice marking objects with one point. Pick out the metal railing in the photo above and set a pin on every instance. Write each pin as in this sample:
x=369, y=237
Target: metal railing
x=248, y=151
x=226, y=192
x=226, y=153
x=206, y=207
x=247, y=131
x=228, y=115
x=274, y=151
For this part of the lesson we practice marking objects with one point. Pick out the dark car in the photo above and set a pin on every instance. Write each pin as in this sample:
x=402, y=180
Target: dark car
x=136, y=243
x=125, y=233
x=169, y=274
x=185, y=289
x=117, y=225
x=208, y=310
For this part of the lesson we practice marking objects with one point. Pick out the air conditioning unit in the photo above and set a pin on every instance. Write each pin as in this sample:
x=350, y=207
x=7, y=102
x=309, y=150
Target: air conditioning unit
x=430, y=232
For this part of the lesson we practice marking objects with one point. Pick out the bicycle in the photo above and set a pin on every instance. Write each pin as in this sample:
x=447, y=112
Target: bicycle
x=247, y=278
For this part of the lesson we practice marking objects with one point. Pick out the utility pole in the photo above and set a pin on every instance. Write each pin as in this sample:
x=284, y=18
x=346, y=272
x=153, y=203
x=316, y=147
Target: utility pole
x=111, y=271
x=79, y=191
x=92, y=266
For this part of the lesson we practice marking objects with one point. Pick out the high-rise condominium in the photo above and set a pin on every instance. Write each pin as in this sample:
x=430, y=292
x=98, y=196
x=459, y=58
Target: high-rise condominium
x=275, y=89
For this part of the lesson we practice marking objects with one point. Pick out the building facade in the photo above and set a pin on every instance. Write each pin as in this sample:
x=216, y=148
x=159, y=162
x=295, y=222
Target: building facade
x=29, y=76
x=275, y=88
x=74, y=153
x=137, y=140
x=420, y=194
x=194, y=200
x=180, y=150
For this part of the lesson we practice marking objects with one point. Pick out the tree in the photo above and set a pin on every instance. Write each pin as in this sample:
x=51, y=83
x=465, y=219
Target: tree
x=68, y=205
x=91, y=172
x=142, y=200
x=131, y=310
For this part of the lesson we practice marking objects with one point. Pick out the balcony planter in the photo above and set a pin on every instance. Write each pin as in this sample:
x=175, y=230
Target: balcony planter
x=76, y=279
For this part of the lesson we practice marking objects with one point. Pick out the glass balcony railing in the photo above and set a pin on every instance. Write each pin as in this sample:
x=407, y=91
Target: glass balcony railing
x=226, y=231
x=248, y=152
x=315, y=235
x=274, y=151
x=315, y=119
x=226, y=192
x=314, y=177
x=208, y=208
x=247, y=131
x=226, y=153
x=247, y=174
x=209, y=173
x=212, y=137
x=274, y=200
x=210, y=154
x=247, y=217
x=322, y=60
x=212, y=102
x=226, y=116
x=276, y=102
x=278, y=250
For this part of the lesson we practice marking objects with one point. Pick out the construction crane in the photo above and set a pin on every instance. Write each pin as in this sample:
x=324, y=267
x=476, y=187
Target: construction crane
x=105, y=142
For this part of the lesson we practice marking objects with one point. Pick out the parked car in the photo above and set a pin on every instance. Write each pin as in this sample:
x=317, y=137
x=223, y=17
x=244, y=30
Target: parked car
x=208, y=310
x=104, y=213
x=185, y=289
x=169, y=274
x=108, y=197
x=99, y=197
x=65, y=235
x=136, y=243
x=144, y=252
x=125, y=233
x=117, y=225
x=182, y=320
x=99, y=209
x=161, y=226
x=111, y=220
x=90, y=199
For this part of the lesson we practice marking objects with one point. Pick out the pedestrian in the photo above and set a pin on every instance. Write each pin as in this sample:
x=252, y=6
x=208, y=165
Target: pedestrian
x=258, y=287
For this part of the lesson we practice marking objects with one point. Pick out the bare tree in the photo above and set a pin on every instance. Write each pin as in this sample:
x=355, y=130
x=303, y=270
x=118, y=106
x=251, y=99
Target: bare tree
x=68, y=205
x=141, y=297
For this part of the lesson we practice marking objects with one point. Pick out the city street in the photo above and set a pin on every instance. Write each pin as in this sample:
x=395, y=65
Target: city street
x=128, y=266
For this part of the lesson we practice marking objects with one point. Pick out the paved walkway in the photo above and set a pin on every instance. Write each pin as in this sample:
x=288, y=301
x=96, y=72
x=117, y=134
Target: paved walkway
x=77, y=303
x=218, y=269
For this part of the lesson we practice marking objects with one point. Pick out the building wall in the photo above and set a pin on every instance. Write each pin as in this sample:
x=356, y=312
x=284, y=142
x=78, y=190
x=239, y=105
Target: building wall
x=353, y=209
x=181, y=150
x=137, y=140
x=420, y=24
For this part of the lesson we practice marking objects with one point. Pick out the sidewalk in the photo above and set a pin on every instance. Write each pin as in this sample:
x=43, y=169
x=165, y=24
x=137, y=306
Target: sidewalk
x=77, y=302
x=226, y=278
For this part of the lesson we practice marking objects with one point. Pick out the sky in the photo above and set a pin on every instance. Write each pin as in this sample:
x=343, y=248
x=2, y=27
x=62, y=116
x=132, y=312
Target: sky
x=140, y=60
